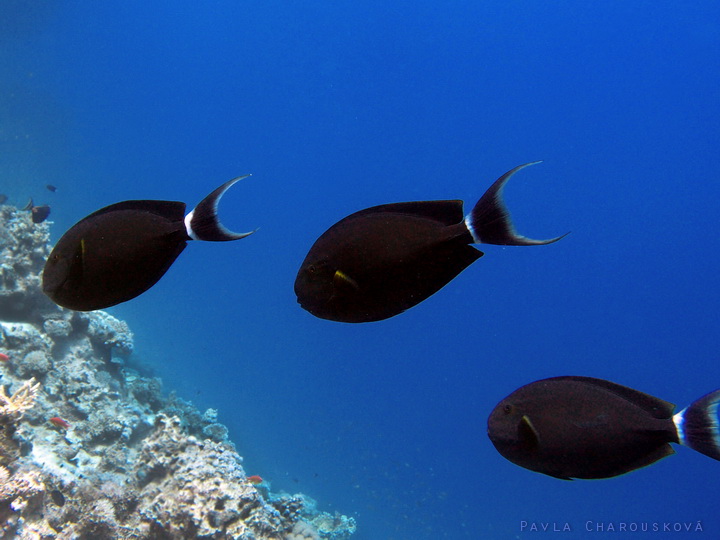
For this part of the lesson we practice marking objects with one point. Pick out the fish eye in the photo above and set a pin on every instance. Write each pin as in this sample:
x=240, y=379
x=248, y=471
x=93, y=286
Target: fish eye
x=507, y=409
x=311, y=269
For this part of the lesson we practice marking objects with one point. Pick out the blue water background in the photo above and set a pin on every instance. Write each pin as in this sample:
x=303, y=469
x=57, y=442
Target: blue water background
x=337, y=106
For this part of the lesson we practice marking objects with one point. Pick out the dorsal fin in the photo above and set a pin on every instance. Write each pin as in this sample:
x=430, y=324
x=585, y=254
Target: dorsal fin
x=657, y=407
x=446, y=212
x=172, y=210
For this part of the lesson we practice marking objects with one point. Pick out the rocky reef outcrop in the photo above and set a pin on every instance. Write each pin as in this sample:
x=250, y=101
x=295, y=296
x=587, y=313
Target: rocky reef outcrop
x=92, y=449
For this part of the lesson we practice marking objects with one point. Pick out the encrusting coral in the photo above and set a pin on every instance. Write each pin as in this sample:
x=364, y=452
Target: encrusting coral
x=91, y=449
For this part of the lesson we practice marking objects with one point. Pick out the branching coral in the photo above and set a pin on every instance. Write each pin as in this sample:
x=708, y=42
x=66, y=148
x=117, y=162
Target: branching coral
x=13, y=407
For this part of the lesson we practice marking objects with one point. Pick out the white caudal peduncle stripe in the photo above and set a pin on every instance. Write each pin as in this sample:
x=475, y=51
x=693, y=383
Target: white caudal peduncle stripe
x=679, y=421
x=188, y=227
x=471, y=228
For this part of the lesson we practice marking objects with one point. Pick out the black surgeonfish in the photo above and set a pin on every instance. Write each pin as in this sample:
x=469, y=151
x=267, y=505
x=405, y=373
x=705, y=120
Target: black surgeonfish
x=40, y=213
x=37, y=213
x=380, y=261
x=581, y=427
x=120, y=251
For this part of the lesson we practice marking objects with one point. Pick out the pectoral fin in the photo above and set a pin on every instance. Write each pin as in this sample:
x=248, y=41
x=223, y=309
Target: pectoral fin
x=76, y=265
x=528, y=434
x=345, y=283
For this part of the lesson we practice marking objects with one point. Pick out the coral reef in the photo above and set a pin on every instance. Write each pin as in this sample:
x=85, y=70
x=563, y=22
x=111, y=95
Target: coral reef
x=91, y=449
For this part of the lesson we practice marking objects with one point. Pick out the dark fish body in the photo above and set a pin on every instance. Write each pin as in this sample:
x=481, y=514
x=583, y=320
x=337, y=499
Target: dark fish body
x=120, y=251
x=52, y=188
x=380, y=261
x=361, y=273
x=40, y=213
x=3, y=198
x=581, y=427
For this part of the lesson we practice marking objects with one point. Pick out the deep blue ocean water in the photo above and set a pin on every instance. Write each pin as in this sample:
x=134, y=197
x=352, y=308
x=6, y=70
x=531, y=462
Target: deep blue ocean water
x=337, y=106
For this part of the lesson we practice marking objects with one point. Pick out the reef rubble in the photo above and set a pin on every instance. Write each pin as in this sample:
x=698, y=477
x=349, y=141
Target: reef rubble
x=92, y=449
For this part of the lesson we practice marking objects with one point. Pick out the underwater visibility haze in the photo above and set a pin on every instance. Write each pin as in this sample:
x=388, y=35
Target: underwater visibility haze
x=338, y=107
